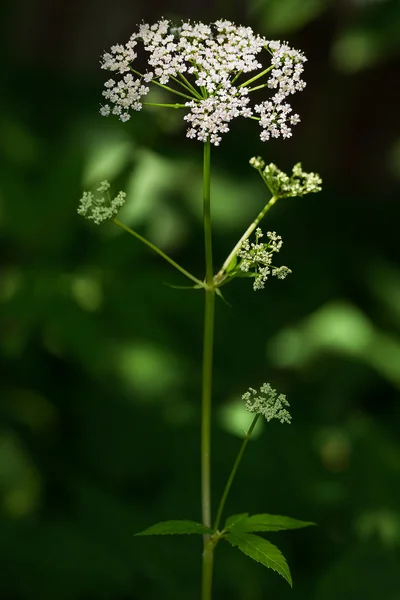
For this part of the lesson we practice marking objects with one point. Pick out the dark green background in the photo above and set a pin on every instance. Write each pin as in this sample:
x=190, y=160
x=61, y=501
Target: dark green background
x=100, y=385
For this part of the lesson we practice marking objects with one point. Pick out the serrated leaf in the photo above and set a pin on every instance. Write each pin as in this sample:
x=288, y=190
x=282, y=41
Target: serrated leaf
x=175, y=528
x=234, y=520
x=266, y=522
x=261, y=551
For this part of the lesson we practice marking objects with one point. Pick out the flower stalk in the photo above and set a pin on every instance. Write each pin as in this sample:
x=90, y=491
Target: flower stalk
x=233, y=473
x=220, y=276
x=206, y=401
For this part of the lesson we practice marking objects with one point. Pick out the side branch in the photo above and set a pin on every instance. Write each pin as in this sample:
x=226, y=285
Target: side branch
x=160, y=252
x=220, y=275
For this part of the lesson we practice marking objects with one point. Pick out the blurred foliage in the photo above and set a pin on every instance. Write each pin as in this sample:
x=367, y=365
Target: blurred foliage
x=99, y=400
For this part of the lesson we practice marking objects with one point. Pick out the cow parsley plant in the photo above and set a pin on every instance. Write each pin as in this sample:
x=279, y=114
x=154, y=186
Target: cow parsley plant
x=215, y=71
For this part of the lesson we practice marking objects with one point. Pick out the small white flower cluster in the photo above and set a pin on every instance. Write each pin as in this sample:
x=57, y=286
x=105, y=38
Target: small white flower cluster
x=205, y=63
x=267, y=403
x=124, y=95
x=210, y=117
x=100, y=208
x=281, y=272
x=281, y=185
x=258, y=256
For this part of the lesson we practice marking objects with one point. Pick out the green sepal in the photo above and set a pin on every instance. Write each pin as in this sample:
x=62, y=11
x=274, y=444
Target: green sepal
x=261, y=551
x=266, y=522
x=175, y=528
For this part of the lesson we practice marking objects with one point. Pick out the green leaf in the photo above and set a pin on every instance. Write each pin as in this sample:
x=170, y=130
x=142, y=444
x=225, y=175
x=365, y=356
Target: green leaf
x=175, y=528
x=234, y=520
x=267, y=522
x=261, y=551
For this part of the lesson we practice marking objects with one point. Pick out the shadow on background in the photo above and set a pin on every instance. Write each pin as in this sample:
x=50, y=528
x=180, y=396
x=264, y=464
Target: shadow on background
x=99, y=432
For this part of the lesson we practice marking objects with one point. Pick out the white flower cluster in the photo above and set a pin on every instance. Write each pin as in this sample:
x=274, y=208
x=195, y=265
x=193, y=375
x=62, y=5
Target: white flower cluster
x=281, y=185
x=211, y=116
x=257, y=258
x=124, y=95
x=267, y=403
x=206, y=64
x=100, y=208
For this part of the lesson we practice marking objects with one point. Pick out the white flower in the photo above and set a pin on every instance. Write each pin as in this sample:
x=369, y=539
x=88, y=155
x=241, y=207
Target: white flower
x=208, y=65
x=256, y=258
x=281, y=185
x=99, y=208
x=267, y=403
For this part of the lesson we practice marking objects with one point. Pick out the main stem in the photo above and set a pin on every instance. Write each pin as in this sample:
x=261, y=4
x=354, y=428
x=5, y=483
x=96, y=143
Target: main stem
x=207, y=381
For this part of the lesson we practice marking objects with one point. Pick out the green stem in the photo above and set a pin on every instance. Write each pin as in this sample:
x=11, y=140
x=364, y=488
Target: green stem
x=164, y=105
x=246, y=83
x=160, y=252
x=233, y=473
x=207, y=380
x=258, y=87
x=207, y=211
x=190, y=87
x=206, y=406
x=208, y=560
x=220, y=275
x=182, y=84
x=161, y=85
x=238, y=74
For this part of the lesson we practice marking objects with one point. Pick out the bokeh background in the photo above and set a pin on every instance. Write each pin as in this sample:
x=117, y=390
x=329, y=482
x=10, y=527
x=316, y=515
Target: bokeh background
x=100, y=385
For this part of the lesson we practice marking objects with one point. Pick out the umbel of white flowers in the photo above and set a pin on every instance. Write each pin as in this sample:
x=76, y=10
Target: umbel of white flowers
x=257, y=258
x=99, y=208
x=267, y=403
x=281, y=185
x=207, y=66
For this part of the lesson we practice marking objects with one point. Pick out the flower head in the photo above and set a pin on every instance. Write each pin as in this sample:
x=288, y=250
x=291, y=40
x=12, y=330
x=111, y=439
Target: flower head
x=99, y=208
x=267, y=403
x=207, y=65
x=257, y=258
x=281, y=185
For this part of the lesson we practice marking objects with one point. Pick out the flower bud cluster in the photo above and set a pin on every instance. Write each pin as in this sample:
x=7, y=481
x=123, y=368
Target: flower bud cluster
x=267, y=403
x=281, y=185
x=257, y=258
x=99, y=208
x=206, y=64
